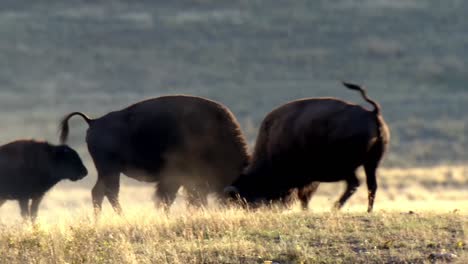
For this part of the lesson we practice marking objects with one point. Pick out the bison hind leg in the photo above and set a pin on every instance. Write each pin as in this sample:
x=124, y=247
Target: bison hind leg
x=108, y=184
x=371, y=184
x=370, y=167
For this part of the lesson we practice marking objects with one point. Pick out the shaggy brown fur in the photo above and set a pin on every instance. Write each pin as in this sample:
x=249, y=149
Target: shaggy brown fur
x=28, y=169
x=172, y=140
x=308, y=141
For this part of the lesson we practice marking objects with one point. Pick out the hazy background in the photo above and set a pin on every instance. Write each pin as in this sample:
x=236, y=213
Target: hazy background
x=252, y=55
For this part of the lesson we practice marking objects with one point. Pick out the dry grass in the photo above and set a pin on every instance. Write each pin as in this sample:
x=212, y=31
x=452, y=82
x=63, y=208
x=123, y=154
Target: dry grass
x=419, y=212
x=237, y=236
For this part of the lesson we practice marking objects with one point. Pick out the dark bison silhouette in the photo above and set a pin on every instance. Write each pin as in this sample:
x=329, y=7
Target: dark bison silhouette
x=28, y=169
x=172, y=140
x=309, y=141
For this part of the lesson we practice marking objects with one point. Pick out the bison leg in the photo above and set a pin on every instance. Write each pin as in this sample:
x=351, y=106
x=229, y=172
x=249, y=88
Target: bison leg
x=35, y=207
x=166, y=193
x=107, y=185
x=197, y=197
x=306, y=193
x=371, y=185
x=97, y=194
x=24, y=207
x=370, y=167
x=112, y=192
x=2, y=202
x=352, y=183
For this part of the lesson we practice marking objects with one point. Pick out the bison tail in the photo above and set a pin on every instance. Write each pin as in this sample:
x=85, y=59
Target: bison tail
x=364, y=95
x=64, y=128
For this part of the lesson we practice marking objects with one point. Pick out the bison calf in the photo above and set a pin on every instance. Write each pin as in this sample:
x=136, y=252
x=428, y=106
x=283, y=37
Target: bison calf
x=309, y=141
x=28, y=169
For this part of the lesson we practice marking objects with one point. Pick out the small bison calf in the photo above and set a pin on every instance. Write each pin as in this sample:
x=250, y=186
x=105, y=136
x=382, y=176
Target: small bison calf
x=28, y=169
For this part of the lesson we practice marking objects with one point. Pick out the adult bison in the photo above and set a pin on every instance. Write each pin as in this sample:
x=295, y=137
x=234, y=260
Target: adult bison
x=309, y=141
x=172, y=140
x=28, y=169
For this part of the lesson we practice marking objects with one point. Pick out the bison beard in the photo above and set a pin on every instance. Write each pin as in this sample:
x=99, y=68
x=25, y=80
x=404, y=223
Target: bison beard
x=309, y=141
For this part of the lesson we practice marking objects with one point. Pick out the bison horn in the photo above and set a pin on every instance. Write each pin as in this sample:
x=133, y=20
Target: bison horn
x=230, y=190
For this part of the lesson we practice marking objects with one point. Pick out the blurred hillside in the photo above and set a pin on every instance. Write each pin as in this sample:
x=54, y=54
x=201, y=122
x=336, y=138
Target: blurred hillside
x=252, y=55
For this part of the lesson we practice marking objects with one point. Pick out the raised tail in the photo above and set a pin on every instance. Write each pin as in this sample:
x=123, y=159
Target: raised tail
x=64, y=128
x=364, y=95
x=384, y=133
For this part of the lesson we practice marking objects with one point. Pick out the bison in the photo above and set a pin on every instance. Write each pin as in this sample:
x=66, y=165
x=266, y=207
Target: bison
x=29, y=168
x=173, y=141
x=308, y=141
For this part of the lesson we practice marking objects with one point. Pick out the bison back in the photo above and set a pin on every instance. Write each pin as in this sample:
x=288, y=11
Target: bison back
x=316, y=137
x=181, y=133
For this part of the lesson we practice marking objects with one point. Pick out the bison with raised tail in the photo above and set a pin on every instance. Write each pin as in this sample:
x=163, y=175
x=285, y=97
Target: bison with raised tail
x=172, y=140
x=309, y=141
x=28, y=169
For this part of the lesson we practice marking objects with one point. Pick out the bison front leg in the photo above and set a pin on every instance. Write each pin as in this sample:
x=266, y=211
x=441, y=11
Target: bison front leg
x=197, y=197
x=352, y=183
x=35, y=207
x=24, y=207
x=306, y=193
x=166, y=193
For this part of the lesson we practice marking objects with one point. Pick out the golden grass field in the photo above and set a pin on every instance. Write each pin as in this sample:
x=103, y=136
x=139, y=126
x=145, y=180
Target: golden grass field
x=421, y=216
x=252, y=56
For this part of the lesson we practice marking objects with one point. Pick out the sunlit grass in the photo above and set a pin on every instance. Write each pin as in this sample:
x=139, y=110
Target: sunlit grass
x=418, y=212
x=233, y=235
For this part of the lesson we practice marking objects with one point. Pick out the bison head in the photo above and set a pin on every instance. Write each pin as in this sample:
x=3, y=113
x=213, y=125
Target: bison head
x=255, y=189
x=243, y=198
x=67, y=163
x=245, y=192
x=232, y=192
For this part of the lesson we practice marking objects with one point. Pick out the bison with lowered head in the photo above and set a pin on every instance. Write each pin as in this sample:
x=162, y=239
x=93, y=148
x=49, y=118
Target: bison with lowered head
x=28, y=169
x=172, y=140
x=309, y=141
